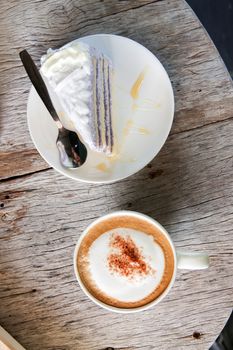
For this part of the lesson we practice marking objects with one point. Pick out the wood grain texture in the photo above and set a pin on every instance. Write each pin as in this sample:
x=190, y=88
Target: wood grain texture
x=203, y=89
x=188, y=187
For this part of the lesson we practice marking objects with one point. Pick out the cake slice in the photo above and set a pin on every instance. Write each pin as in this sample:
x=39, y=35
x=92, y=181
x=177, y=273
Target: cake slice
x=81, y=78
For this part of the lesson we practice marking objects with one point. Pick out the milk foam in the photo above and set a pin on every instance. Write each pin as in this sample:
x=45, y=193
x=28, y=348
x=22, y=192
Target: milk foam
x=121, y=287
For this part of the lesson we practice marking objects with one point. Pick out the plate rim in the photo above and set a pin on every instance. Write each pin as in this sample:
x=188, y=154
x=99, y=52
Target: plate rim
x=102, y=181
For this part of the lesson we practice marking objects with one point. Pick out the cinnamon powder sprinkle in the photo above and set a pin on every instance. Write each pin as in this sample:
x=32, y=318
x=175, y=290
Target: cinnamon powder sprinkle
x=127, y=259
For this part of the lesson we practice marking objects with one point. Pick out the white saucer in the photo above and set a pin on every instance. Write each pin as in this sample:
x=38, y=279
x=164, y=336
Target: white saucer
x=141, y=124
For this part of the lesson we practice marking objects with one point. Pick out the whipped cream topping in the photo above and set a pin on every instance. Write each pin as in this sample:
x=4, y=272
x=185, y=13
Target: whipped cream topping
x=126, y=285
x=80, y=77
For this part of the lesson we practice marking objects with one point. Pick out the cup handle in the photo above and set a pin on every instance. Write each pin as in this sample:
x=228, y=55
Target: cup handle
x=192, y=261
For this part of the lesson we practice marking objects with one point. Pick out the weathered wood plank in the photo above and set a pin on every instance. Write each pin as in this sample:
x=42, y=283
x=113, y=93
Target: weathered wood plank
x=203, y=88
x=188, y=188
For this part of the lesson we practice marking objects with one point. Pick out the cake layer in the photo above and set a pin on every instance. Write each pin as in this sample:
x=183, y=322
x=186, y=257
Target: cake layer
x=81, y=78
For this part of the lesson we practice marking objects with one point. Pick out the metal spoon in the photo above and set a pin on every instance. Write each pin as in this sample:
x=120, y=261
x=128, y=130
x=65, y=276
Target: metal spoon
x=72, y=151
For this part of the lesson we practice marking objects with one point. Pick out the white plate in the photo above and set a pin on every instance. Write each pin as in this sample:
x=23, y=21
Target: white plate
x=141, y=124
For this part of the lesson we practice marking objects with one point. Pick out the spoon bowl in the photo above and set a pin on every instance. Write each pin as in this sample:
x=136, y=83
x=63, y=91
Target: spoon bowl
x=72, y=152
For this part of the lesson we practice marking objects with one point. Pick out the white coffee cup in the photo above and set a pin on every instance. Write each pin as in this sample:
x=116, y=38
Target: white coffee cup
x=182, y=260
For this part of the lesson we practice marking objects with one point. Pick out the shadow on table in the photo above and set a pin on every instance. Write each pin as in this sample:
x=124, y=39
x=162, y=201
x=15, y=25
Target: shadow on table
x=225, y=339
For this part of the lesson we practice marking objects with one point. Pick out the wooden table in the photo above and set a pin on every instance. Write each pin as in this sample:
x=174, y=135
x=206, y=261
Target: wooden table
x=188, y=187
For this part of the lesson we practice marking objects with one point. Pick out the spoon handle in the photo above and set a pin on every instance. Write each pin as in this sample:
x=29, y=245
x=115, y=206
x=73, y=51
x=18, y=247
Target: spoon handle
x=38, y=82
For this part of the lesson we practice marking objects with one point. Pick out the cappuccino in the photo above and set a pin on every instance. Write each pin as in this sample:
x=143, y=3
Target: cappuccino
x=125, y=261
